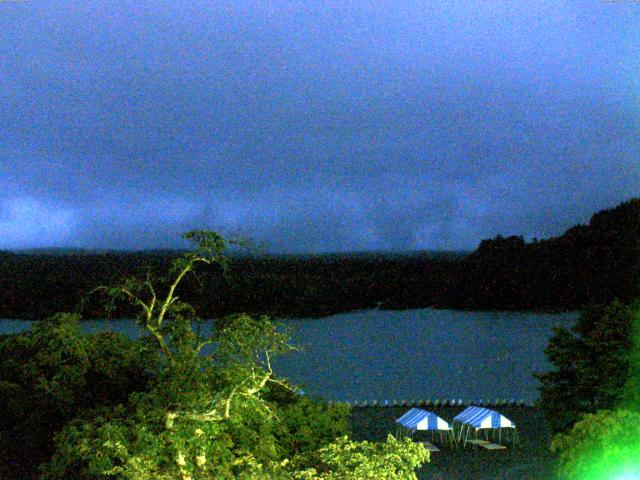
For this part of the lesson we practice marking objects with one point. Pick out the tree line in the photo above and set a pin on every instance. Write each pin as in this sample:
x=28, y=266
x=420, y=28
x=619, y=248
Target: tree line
x=588, y=263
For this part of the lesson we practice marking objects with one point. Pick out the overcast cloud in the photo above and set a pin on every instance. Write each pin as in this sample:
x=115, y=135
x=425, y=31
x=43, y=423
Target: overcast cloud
x=317, y=125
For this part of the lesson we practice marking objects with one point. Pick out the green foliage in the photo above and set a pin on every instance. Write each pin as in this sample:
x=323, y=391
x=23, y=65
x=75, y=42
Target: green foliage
x=307, y=424
x=591, y=364
x=606, y=444
x=631, y=392
x=345, y=459
x=148, y=441
x=209, y=418
x=184, y=412
x=600, y=446
x=53, y=372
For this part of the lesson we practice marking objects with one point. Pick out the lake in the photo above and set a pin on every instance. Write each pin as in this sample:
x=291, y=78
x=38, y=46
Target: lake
x=408, y=354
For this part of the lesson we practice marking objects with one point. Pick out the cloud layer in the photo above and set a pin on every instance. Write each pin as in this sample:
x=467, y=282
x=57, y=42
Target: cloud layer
x=314, y=126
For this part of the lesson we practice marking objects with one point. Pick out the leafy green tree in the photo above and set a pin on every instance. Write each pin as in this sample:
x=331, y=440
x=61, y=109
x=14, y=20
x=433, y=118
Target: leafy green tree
x=307, y=424
x=345, y=459
x=50, y=374
x=204, y=418
x=606, y=444
x=591, y=364
x=215, y=413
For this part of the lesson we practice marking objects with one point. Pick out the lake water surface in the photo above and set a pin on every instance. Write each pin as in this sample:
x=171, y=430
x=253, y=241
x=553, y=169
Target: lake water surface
x=409, y=354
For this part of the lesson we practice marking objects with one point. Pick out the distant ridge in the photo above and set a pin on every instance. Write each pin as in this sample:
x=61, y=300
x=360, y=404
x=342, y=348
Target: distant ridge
x=589, y=263
x=365, y=254
x=64, y=251
x=55, y=251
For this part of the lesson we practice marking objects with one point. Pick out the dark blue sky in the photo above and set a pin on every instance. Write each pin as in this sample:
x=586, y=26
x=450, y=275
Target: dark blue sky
x=317, y=125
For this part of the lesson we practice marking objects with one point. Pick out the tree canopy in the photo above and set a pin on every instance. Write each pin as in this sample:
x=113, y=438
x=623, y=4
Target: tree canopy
x=52, y=373
x=591, y=364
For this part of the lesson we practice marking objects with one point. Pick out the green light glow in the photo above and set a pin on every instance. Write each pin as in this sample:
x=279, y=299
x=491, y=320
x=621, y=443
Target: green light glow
x=615, y=462
x=604, y=446
x=627, y=476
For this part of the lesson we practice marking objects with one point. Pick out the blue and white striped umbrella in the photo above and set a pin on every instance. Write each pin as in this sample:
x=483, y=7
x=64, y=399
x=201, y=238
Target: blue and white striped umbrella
x=480, y=417
x=418, y=419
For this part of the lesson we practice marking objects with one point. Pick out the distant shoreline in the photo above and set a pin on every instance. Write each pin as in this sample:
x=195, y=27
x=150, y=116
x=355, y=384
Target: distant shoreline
x=536, y=312
x=593, y=263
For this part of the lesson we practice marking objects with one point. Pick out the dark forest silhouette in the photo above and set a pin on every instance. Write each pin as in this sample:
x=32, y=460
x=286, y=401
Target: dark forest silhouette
x=592, y=263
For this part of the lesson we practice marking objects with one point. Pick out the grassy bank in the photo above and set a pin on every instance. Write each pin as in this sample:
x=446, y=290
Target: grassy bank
x=531, y=461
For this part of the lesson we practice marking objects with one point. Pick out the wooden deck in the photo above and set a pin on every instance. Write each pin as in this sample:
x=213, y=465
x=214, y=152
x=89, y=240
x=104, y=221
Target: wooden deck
x=492, y=446
x=486, y=445
x=430, y=446
x=478, y=441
